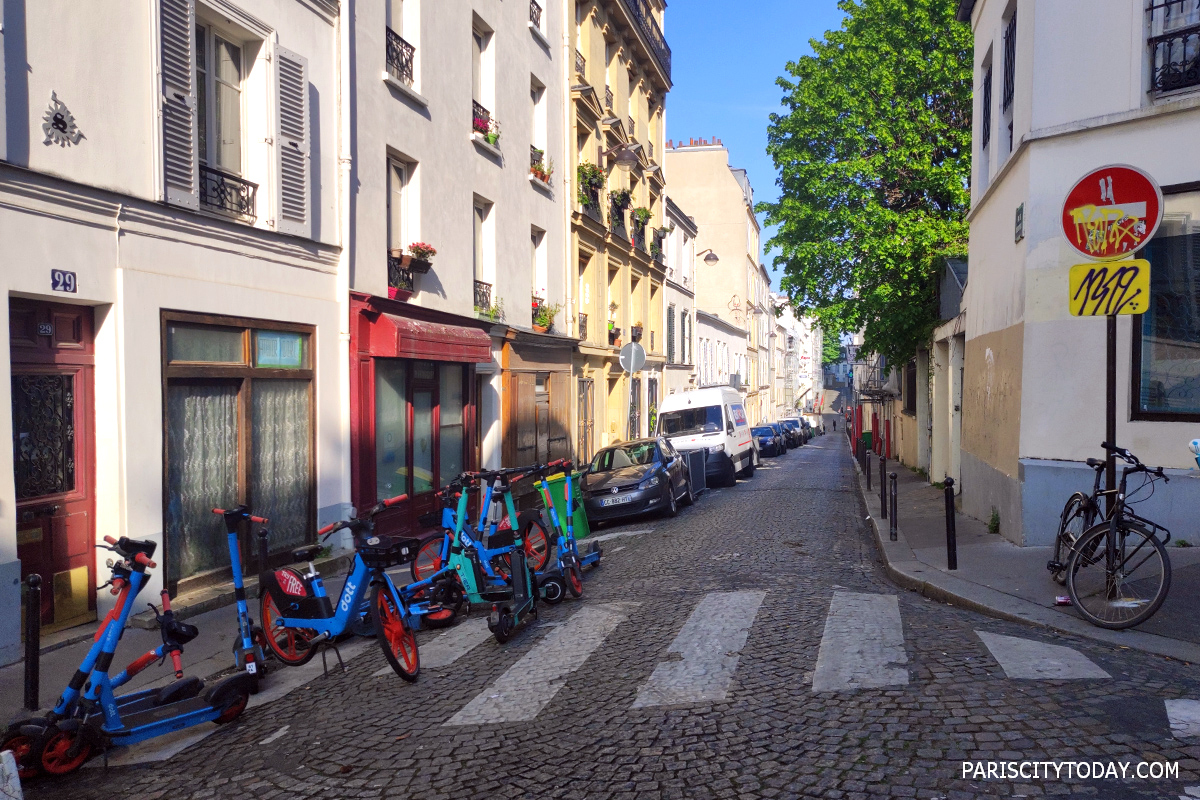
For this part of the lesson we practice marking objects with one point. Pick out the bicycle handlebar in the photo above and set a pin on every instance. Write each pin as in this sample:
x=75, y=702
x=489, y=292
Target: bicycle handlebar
x=1135, y=465
x=363, y=517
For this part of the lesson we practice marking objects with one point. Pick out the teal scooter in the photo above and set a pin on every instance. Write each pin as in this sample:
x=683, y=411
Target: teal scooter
x=570, y=562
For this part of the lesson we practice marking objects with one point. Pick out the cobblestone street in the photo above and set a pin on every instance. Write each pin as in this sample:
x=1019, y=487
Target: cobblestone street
x=652, y=686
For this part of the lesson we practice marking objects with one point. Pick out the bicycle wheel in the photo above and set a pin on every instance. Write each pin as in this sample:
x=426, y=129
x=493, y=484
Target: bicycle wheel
x=1122, y=590
x=429, y=558
x=289, y=645
x=1077, y=516
x=397, y=640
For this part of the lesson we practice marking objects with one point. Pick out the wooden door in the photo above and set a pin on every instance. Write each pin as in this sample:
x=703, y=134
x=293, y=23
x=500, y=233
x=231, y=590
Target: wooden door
x=52, y=409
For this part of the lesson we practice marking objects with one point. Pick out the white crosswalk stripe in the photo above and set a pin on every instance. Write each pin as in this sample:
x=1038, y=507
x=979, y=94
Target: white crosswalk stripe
x=1033, y=660
x=863, y=644
x=710, y=643
x=1184, y=716
x=529, y=685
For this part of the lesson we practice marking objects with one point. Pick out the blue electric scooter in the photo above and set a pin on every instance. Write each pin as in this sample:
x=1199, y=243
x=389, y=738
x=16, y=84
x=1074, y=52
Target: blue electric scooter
x=89, y=718
x=570, y=562
x=247, y=648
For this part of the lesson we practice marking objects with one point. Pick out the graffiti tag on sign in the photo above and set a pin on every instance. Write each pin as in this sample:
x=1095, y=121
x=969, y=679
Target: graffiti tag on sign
x=1113, y=287
x=1111, y=212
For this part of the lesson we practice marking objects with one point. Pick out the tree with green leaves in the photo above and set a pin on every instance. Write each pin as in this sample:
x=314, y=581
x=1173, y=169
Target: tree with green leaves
x=874, y=160
x=831, y=349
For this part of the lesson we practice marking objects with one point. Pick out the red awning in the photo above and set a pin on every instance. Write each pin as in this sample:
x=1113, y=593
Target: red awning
x=397, y=337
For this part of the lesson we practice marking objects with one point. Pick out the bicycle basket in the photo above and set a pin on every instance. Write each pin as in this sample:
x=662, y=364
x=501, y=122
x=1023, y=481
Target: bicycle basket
x=430, y=520
x=387, y=551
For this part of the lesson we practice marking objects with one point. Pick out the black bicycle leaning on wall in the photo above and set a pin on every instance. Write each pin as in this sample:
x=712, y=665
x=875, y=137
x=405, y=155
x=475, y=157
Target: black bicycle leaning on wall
x=1115, y=566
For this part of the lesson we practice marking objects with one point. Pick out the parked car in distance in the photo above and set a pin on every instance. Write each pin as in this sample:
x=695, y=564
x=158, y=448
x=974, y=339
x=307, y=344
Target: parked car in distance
x=784, y=444
x=769, y=442
x=634, y=477
x=792, y=431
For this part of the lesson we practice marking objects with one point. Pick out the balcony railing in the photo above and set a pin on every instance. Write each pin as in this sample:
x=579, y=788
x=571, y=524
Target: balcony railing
x=1176, y=59
x=608, y=98
x=483, y=295
x=481, y=119
x=583, y=326
x=650, y=149
x=657, y=249
x=592, y=207
x=630, y=130
x=640, y=11
x=536, y=157
x=536, y=305
x=400, y=56
x=220, y=191
x=399, y=276
x=580, y=65
x=535, y=14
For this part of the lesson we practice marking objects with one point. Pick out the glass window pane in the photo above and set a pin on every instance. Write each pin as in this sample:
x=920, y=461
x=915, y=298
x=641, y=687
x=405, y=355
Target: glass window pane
x=227, y=67
x=423, y=370
x=422, y=442
x=280, y=469
x=391, y=429
x=202, y=92
x=397, y=177
x=1170, y=365
x=202, y=472
x=279, y=350
x=451, y=409
x=204, y=343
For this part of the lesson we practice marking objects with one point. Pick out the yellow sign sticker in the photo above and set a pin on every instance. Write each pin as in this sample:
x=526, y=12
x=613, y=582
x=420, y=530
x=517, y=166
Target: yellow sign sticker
x=1112, y=287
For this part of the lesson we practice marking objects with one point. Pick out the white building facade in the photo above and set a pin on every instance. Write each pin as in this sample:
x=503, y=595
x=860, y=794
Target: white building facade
x=169, y=203
x=679, y=373
x=1033, y=377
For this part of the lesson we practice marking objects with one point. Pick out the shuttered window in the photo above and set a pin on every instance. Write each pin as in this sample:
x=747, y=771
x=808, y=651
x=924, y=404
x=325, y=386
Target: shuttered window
x=292, y=93
x=177, y=29
x=671, y=334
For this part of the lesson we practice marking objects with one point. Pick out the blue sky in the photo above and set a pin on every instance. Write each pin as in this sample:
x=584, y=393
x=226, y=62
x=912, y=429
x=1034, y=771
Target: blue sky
x=725, y=57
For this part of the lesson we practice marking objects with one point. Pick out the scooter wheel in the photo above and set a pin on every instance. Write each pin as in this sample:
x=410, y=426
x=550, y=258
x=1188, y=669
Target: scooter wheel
x=575, y=580
x=23, y=746
x=503, y=631
x=450, y=598
x=54, y=752
x=553, y=589
x=235, y=708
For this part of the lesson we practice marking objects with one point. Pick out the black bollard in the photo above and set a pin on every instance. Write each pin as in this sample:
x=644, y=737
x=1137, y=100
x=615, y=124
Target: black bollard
x=951, y=536
x=892, y=534
x=883, y=486
x=33, y=640
x=868, y=470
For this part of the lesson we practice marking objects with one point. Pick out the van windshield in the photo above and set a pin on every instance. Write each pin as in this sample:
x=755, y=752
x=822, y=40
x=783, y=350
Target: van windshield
x=690, y=420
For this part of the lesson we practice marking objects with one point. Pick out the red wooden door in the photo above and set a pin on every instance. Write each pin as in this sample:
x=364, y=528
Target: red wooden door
x=52, y=407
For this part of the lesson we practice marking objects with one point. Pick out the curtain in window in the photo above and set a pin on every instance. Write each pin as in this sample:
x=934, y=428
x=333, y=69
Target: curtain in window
x=451, y=417
x=1170, y=363
x=280, y=474
x=391, y=429
x=202, y=472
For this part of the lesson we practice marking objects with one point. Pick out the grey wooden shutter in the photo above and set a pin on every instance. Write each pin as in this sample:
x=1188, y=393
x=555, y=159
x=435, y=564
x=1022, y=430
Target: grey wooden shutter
x=291, y=72
x=180, y=162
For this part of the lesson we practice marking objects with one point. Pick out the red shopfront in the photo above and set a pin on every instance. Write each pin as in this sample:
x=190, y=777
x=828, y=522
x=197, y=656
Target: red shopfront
x=413, y=404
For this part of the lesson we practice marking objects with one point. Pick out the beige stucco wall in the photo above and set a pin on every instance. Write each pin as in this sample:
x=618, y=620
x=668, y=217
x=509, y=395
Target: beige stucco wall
x=992, y=369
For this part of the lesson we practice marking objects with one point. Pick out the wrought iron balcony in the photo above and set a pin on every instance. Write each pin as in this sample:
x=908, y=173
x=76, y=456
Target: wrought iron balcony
x=592, y=208
x=400, y=277
x=639, y=10
x=650, y=149
x=220, y=191
x=535, y=14
x=631, y=129
x=483, y=295
x=400, y=56
x=583, y=326
x=580, y=65
x=608, y=98
x=537, y=157
x=1176, y=57
x=481, y=118
x=656, y=250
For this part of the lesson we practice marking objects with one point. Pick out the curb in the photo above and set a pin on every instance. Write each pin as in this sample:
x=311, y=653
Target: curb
x=909, y=573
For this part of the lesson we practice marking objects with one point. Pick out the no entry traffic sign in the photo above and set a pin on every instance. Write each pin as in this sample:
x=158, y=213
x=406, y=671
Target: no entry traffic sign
x=1111, y=212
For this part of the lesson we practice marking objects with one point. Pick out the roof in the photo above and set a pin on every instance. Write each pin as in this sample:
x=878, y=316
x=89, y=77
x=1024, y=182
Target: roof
x=958, y=268
x=677, y=214
x=965, y=7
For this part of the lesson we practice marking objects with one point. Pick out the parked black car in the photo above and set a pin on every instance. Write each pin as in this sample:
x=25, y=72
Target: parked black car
x=793, y=431
x=635, y=477
x=769, y=440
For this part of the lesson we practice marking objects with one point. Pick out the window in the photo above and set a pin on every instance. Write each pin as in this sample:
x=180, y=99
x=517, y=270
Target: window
x=420, y=439
x=238, y=419
x=396, y=207
x=910, y=387
x=1010, y=74
x=477, y=48
x=985, y=125
x=538, y=267
x=395, y=15
x=1166, y=356
x=482, y=260
x=671, y=334
x=218, y=101
x=1174, y=44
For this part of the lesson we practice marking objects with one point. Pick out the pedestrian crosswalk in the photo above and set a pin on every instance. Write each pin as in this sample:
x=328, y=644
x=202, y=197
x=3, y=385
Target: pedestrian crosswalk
x=862, y=647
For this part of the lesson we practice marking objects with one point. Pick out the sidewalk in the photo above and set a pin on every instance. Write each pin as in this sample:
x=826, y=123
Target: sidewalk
x=998, y=578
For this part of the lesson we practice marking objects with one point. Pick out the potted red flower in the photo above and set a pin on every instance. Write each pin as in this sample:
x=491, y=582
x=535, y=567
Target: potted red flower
x=419, y=257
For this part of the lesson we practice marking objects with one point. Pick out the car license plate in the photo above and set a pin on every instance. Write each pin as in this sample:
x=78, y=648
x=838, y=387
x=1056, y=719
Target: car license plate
x=616, y=501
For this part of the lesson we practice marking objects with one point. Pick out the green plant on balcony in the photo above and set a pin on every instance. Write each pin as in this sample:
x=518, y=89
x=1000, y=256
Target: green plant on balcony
x=494, y=312
x=641, y=216
x=591, y=179
x=620, y=199
x=544, y=316
x=543, y=171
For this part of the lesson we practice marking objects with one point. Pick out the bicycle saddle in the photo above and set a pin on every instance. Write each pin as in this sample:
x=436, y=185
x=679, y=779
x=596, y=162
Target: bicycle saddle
x=1095, y=462
x=308, y=553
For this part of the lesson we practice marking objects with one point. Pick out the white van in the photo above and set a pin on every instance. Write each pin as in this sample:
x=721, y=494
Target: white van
x=712, y=420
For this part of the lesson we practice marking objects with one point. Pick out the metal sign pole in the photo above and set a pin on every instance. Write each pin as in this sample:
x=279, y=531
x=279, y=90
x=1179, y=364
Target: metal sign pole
x=1110, y=413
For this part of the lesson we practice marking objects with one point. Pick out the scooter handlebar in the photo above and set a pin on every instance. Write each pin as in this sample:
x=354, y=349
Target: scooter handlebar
x=395, y=501
x=330, y=528
x=251, y=517
x=177, y=663
x=111, y=540
x=144, y=560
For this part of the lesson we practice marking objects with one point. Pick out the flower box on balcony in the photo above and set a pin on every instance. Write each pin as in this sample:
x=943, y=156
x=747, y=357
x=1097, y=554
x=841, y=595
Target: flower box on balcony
x=635, y=333
x=614, y=336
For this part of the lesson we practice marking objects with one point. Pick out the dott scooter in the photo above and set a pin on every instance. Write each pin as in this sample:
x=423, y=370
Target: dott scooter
x=247, y=650
x=90, y=718
x=297, y=614
x=570, y=562
x=499, y=574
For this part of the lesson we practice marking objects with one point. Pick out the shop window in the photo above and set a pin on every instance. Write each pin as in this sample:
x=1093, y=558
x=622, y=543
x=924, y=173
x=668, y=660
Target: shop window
x=1166, y=354
x=238, y=419
x=391, y=428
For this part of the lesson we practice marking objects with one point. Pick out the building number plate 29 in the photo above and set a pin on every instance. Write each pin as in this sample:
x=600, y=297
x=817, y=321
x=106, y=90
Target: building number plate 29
x=62, y=281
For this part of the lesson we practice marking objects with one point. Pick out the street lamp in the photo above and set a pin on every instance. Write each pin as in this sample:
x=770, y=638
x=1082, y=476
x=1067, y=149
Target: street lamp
x=624, y=155
x=711, y=259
